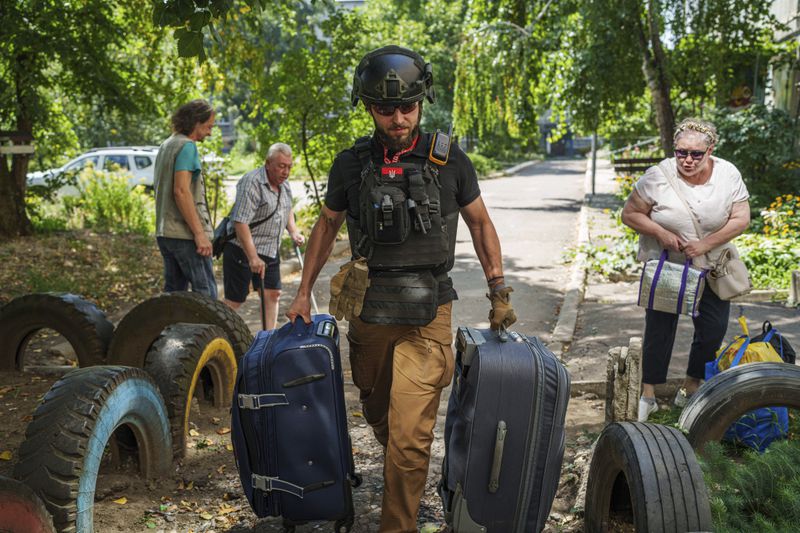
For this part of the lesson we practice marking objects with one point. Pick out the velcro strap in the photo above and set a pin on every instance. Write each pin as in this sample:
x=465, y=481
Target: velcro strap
x=257, y=401
x=416, y=187
x=268, y=484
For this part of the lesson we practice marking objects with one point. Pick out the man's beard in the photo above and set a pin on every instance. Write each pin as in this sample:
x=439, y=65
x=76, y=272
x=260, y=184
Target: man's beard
x=394, y=144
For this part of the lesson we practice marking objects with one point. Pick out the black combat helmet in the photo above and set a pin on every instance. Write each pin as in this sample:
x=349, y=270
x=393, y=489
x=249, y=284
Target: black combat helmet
x=392, y=75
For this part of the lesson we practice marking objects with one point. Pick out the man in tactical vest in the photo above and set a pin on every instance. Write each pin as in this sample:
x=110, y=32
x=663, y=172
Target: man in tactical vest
x=400, y=192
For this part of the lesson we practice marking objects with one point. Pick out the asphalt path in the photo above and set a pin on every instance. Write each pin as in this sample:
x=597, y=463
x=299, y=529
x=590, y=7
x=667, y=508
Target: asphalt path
x=535, y=213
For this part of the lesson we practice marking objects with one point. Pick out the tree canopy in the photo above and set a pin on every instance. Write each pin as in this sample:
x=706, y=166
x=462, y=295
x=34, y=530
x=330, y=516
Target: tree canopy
x=586, y=60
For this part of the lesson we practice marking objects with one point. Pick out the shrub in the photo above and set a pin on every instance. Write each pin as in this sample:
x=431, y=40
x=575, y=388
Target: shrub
x=757, y=492
x=625, y=185
x=107, y=203
x=483, y=165
x=770, y=260
x=759, y=141
x=782, y=218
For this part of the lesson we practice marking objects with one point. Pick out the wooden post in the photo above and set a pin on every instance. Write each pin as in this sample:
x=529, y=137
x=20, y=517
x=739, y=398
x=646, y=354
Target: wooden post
x=611, y=367
x=634, y=371
x=621, y=386
x=794, y=293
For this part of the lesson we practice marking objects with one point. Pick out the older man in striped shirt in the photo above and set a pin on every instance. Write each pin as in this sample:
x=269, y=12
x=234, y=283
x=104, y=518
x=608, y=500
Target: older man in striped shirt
x=263, y=208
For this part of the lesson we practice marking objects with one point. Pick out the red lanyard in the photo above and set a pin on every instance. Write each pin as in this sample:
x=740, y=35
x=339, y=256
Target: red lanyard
x=396, y=157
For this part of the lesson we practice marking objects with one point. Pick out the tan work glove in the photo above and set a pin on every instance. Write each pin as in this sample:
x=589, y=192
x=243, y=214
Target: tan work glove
x=502, y=314
x=348, y=289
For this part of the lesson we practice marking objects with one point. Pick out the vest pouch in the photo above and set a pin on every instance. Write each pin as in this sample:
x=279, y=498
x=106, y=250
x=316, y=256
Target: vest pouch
x=407, y=298
x=388, y=221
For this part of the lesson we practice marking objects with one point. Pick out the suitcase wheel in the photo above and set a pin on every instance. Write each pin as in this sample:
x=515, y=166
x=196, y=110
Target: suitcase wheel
x=356, y=480
x=344, y=525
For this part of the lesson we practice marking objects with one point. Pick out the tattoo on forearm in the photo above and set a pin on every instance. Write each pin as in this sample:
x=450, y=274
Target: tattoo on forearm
x=329, y=220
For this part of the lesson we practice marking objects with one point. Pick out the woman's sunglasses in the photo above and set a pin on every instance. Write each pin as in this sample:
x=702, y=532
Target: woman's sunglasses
x=388, y=110
x=696, y=154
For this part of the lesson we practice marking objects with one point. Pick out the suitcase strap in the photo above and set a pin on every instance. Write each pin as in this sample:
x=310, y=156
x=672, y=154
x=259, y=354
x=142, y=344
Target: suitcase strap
x=257, y=401
x=268, y=484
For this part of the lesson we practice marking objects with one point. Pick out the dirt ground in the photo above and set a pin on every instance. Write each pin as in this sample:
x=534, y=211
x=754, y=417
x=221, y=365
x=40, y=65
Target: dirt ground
x=203, y=492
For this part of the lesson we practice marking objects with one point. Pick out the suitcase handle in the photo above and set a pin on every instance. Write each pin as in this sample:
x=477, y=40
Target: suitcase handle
x=497, y=460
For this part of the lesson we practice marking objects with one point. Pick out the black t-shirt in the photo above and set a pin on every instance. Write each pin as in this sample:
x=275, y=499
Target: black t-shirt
x=458, y=179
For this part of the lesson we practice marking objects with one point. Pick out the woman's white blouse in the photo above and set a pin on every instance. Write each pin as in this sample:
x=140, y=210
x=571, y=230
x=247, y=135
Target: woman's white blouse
x=711, y=203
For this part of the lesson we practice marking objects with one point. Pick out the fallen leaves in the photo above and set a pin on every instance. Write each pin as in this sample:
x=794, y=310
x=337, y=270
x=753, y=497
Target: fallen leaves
x=121, y=501
x=6, y=455
x=223, y=431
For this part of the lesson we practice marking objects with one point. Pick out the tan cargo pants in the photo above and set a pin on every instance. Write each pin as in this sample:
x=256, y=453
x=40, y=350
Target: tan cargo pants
x=400, y=372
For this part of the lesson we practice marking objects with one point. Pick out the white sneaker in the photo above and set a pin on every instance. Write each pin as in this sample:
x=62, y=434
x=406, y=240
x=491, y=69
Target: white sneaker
x=646, y=406
x=681, y=398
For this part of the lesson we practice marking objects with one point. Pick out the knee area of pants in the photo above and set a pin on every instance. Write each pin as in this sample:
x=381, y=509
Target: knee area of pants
x=408, y=458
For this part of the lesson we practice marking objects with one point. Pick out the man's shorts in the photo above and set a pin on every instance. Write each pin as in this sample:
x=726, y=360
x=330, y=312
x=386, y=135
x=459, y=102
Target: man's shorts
x=237, y=276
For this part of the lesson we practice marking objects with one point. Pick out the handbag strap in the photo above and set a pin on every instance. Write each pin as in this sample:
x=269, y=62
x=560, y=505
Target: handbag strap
x=671, y=175
x=657, y=275
x=254, y=225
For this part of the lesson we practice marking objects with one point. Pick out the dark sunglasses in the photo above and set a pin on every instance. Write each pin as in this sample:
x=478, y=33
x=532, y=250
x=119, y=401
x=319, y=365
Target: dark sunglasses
x=696, y=154
x=388, y=110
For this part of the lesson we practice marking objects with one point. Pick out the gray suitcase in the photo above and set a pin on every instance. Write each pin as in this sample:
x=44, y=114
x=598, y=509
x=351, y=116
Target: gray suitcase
x=504, y=433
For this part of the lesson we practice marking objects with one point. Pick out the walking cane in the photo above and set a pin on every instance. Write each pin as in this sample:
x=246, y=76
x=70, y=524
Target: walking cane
x=300, y=260
x=263, y=304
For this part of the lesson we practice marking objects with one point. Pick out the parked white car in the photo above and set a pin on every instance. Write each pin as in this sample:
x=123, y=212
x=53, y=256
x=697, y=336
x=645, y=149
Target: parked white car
x=139, y=161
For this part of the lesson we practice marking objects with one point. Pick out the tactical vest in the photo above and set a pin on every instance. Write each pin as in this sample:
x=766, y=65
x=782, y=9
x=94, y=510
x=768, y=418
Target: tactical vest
x=401, y=226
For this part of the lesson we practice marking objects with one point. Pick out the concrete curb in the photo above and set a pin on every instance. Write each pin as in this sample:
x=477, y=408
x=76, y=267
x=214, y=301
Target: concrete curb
x=598, y=388
x=763, y=295
x=568, y=316
x=510, y=170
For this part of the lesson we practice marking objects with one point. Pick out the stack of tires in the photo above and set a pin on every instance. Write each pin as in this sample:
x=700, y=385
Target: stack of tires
x=647, y=475
x=143, y=376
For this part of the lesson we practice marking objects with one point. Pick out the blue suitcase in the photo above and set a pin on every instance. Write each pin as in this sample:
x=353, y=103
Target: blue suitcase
x=504, y=433
x=289, y=426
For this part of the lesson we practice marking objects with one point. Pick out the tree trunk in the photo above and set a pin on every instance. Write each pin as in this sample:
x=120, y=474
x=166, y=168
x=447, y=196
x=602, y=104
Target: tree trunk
x=14, y=167
x=654, y=66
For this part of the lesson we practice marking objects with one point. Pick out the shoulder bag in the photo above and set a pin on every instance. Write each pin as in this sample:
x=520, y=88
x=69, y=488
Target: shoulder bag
x=222, y=235
x=728, y=276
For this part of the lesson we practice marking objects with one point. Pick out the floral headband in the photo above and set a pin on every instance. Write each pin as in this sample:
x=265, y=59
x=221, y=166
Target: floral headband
x=699, y=127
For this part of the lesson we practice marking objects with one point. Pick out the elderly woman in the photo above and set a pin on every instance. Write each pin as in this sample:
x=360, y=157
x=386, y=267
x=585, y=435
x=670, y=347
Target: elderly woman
x=717, y=196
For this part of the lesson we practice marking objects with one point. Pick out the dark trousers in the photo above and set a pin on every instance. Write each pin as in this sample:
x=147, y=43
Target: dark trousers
x=659, y=336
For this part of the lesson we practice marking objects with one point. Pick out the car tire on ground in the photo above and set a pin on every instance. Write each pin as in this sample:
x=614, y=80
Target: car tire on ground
x=65, y=442
x=21, y=510
x=651, y=472
x=139, y=329
x=188, y=360
x=721, y=401
x=81, y=323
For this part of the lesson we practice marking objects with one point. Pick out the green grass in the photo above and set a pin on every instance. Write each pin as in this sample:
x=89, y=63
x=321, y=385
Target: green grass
x=749, y=491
